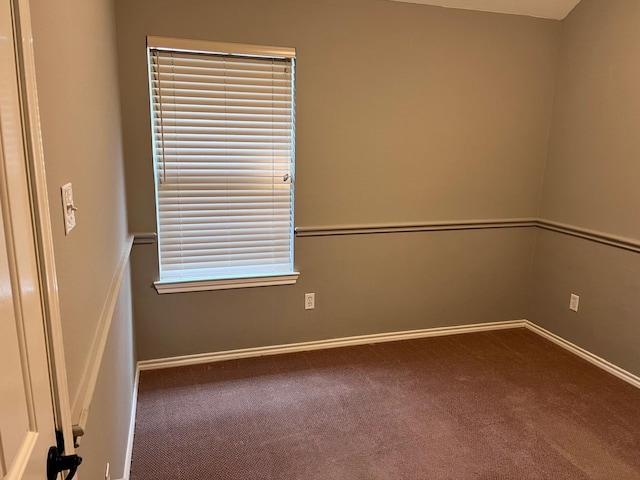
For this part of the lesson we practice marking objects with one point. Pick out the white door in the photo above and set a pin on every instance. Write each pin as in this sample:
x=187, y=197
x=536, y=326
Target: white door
x=26, y=413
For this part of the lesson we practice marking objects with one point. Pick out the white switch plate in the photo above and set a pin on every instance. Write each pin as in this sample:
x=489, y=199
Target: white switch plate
x=68, y=208
x=309, y=301
x=573, y=302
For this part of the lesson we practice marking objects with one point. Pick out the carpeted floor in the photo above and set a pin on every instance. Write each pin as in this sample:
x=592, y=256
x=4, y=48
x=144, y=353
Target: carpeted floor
x=496, y=405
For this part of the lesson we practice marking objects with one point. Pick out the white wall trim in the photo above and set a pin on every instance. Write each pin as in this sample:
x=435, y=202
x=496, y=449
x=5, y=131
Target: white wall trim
x=147, y=238
x=202, y=358
x=323, y=344
x=84, y=395
x=361, y=340
x=362, y=229
x=585, y=354
x=604, y=238
x=132, y=427
x=178, y=286
x=225, y=48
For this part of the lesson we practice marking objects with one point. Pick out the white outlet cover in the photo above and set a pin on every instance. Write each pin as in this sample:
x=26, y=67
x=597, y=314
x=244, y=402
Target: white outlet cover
x=574, y=301
x=309, y=301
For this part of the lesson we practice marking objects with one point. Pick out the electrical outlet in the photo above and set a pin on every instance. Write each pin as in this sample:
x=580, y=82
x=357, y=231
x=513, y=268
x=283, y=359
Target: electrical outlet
x=107, y=473
x=573, y=302
x=309, y=301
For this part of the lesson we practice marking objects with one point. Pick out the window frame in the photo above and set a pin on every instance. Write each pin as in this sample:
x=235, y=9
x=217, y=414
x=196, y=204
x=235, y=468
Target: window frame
x=177, y=284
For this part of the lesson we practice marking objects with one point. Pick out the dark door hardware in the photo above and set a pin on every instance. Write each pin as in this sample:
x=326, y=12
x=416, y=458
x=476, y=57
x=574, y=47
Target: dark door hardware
x=57, y=463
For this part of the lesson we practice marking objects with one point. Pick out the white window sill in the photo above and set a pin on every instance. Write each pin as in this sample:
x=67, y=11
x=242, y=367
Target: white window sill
x=178, y=286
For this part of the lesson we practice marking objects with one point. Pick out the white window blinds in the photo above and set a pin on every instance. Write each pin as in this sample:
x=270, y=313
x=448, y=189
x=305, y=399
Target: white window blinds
x=223, y=136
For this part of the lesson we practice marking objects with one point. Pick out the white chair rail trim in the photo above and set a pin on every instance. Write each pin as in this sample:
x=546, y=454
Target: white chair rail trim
x=84, y=395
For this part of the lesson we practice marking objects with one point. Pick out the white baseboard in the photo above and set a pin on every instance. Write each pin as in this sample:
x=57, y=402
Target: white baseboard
x=362, y=340
x=588, y=356
x=388, y=337
x=323, y=344
x=132, y=427
x=384, y=337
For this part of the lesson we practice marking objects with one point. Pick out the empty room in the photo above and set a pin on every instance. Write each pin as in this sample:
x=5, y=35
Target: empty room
x=322, y=239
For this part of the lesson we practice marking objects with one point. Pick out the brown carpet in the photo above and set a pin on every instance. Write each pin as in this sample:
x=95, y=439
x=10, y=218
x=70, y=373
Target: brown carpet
x=496, y=405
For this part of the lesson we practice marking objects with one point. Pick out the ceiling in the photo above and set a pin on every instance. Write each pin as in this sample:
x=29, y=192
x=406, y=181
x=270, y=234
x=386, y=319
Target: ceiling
x=554, y=9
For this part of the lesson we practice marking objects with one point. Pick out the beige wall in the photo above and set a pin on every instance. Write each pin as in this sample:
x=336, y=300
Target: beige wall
x=608, y=282
x=593, y=170
x=76, y=72
x=363, y=284
x=404, y=113
x=592, y=182
x=78, y=94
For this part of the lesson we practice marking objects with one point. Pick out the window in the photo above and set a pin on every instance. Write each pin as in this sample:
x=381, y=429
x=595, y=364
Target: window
x=223, y=147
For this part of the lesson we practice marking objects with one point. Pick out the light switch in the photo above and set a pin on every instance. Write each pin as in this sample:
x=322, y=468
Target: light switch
x=68, y=208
